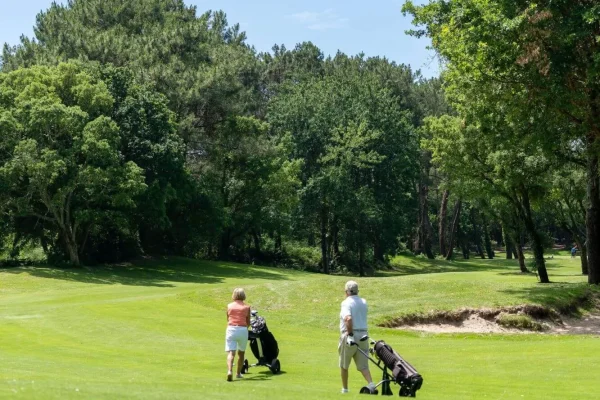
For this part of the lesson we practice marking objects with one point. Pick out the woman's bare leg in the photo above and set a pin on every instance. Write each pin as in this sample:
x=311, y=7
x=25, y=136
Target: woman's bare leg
x=240, y=363
x=230, y=357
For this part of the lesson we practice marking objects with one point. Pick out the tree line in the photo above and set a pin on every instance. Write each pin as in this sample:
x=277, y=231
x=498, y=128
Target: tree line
x=523, y=79
x=147, y=128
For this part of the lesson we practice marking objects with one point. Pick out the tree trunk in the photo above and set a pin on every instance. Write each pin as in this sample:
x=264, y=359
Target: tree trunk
x=538, y=248
x=278, y=241
x=421, y=241
x=335, y=238
x=507, y=243
x=73, y=254
x=454, y=229
x=72, y=248
x=378, y=253
x=538, y=253
x=464, y=244
x=509, y=251
x=442, y=222
x=361, y=258
x=426, y=225
x=480, y=251
x=44, y=243
x=583, y=256
x=521, y=257
x=476, y=233
x=223, y=253
x=14, y=252
x=256, y=238
x=593, y=215
x=419, y=238
x=488, y=241
x=427, y=243
x=425, y=231
x=324, y=260
x=497, y=234
x=416, y=245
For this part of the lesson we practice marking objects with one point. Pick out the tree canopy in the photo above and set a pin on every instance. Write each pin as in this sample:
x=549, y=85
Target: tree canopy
x=146, y=127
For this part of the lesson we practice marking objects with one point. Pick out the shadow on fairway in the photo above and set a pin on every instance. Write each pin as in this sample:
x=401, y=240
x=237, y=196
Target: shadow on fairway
x=261, y=376
x=417, y=266
x=566, y=297
x=555, y=271
x=158, y=273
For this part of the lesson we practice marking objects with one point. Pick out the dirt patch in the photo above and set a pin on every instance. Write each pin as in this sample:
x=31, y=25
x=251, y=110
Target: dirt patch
x=524, y=319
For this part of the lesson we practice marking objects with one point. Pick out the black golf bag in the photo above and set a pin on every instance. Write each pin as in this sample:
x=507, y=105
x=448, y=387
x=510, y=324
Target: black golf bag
x=402, y=372
x=263, y=345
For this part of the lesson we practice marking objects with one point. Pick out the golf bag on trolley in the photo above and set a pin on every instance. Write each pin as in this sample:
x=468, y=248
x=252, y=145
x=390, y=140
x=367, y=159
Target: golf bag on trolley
x=402, y=372
x=263, y=345
x=395, y=370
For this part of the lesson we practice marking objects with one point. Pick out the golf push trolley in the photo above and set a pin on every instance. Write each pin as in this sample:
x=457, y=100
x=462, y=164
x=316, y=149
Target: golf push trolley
x=395, y=370
x=263, y=345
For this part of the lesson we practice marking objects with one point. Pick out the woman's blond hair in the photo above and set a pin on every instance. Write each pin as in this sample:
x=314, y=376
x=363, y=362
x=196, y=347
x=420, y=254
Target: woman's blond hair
x=238, y=294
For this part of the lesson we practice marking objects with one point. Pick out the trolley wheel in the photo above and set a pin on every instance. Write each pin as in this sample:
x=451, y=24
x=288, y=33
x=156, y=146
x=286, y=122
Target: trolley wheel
x=245, y=367
x=366, y=390
x=405, y=392
x=275, y=366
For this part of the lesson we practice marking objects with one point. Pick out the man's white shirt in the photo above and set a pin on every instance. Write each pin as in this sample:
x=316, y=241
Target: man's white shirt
x=356, y=307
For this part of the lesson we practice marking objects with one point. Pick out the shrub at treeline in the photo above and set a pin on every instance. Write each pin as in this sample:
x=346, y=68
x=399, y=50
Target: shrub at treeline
x=131, y=128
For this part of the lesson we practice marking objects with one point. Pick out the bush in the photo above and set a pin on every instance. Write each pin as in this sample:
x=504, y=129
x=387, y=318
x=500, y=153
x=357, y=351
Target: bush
x=298, y=256
x=27, y=253
x=293, y=254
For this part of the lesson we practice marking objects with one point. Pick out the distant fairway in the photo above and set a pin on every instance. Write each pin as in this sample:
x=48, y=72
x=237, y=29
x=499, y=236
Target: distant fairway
x=156, y=331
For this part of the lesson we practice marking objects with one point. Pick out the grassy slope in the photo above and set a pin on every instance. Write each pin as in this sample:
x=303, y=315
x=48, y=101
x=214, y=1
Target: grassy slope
x=157, y=331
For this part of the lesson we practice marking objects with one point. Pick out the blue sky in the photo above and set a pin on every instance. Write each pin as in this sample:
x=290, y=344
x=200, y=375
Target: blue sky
x=375, y=27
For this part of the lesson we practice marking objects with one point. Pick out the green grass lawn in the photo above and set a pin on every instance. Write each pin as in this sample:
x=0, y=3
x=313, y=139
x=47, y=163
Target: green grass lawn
x=156, y=331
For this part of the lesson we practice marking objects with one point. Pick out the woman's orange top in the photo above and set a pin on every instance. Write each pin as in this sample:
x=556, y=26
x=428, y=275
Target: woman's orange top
x=238, y=313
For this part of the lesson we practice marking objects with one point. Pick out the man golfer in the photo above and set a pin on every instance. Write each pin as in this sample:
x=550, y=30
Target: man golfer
x=353, y=325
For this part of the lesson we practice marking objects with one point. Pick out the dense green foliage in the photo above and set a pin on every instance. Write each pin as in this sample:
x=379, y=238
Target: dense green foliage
x=282, y=150
x=77, y=161
x=359, y=148
x=207, y=148
x=523, y=78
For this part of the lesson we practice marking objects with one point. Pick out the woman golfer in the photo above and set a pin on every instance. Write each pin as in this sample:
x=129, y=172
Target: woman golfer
x=236, y=335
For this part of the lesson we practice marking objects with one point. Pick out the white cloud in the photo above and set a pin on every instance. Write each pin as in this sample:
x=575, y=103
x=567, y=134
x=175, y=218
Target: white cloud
x=306, y=16
x=320, y=21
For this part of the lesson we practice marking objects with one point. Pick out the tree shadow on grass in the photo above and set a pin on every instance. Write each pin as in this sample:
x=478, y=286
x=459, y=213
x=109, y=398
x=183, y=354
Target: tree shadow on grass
x=157, y=273
x=565, y=297
x=418, y=266
x=411, y=265
x=516, y=273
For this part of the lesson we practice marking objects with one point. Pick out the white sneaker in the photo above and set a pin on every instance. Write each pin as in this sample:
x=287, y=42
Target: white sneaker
x=372, y=386
x=344, y=391
x=239, y=376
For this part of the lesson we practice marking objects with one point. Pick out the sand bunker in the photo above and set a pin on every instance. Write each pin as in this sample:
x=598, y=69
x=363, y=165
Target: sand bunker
x=475, y=321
